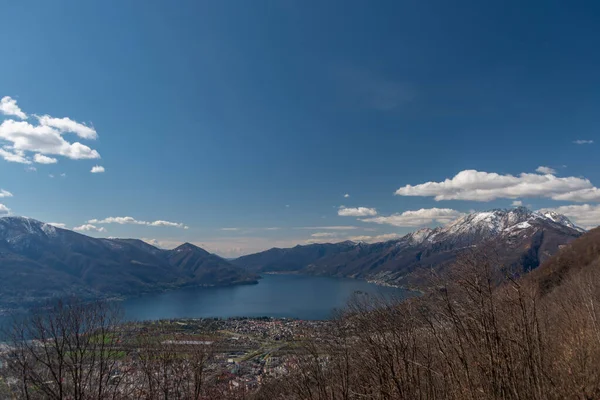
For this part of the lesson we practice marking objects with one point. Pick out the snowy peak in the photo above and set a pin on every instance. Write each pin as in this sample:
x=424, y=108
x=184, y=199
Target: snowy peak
x=418, y=237
x=487, y=224
x=13, y=228
x=559, y=219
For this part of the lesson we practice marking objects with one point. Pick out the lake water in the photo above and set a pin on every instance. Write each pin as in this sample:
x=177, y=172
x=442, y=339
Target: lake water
x=292, y=296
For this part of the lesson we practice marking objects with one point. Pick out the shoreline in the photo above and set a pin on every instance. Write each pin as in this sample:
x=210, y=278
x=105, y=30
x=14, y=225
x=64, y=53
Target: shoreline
x=372, y=281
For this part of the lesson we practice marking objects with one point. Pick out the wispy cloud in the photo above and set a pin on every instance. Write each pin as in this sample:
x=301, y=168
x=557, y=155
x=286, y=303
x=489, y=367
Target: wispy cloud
x=545, y=170
x=3, y=209
x=68, y=125
x=58, y=224
x=517, y=203
x=324, y=235
x=581, y=141
x=356, y=212
x=133, y=221
x=97, y=169
x=326, y=228
x=422, y=217
x=245, y=230
x=15, y=156
x=89, y=228
x=5, y=193
x=486, y=186
x=346, y=195
x=375, y=238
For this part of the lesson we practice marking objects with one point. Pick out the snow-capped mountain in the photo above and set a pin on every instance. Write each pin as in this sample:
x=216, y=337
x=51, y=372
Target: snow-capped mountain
x=560, y=219
x=488, y=224
x=523, y=238
x=38, y=260
x=12, y=229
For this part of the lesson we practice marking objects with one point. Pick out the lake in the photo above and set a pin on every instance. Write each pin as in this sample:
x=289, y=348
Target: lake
x=282, y=295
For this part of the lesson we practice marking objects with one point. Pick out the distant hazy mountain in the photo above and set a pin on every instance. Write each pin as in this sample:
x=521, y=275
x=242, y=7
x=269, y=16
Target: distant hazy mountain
x=38, y=260
x=523, y=238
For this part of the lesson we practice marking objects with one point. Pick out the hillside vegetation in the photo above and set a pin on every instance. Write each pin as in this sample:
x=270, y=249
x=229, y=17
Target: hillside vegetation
x=472, y=336
x=531, y=338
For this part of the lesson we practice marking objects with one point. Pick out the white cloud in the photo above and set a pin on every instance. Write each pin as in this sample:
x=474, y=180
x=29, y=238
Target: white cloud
x=585, y=215
x=51, y=176
x=580, y=141
x=133, y=221
x=117, y=220
x=486, y=186
x=328, y=228
x=42, y=159
x=168, y=223
x=88, y=228
x=328, y=237
x=30, y=169
x=16, y=156
x=591, y=194
x=346, y=195
x=63, y=175
x=97, y=169
x=545, y=170
x=24, y=136
x=8, y=106
x=424, y=216
x=44, y=138
x=324, y=235
x=68, y=125
x=230, y=229
x=58, y=224
x=356, y=212
x=3, y=209
x=517, y=203
x=5, y=193
x=376, y=238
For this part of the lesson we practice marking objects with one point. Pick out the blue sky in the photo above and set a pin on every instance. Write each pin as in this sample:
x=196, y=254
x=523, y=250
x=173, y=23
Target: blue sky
x=258, y=115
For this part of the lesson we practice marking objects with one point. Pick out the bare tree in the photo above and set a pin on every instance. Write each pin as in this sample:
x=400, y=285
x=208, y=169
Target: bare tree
x=173, y=369
x=480, y=333
x=69, y=349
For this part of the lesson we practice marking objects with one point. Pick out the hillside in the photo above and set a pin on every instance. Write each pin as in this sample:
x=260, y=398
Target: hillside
x=38, y=260
x=467, y=339
x=580, y=256
x=522, y=238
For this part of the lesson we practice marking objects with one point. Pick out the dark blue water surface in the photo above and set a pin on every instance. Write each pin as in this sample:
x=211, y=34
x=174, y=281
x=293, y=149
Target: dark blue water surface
x=292, y=296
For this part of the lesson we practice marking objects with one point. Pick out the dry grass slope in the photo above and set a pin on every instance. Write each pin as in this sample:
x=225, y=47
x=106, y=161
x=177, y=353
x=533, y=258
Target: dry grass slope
x=532, y=338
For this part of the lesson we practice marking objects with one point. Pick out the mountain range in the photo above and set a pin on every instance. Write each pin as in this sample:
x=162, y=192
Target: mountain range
x=522, y=239
x=39, y=261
